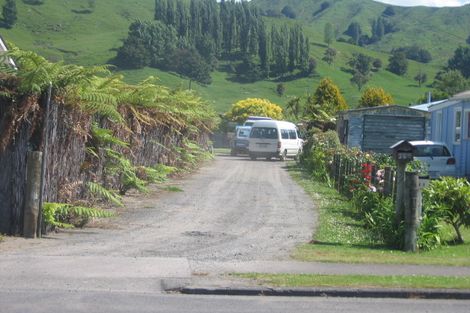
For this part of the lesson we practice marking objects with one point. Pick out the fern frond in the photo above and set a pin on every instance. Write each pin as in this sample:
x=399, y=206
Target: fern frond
x=103, y=193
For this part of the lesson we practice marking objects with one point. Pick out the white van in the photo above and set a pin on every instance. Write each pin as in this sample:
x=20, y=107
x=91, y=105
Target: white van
x=274, y=139
x=252, y=119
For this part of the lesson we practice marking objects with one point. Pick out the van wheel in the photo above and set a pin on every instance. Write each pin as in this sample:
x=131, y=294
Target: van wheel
x=252, y=156
x=283, y=156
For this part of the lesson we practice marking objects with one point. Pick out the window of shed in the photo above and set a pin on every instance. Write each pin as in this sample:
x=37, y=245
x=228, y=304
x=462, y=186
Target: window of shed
x=458, y=126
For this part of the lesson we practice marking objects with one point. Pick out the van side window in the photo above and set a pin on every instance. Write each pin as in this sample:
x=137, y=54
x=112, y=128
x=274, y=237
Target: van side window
x=284, y=134
x=263, y=133
x=292, y=134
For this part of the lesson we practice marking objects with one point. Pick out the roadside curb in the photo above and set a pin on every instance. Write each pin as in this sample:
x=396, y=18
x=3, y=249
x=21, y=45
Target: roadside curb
x=330, y=292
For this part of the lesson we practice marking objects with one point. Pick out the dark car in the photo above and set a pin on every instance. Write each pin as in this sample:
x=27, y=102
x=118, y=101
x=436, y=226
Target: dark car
x=240, y=143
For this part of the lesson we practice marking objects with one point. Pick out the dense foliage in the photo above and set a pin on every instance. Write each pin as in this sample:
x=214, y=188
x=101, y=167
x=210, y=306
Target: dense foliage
x=446, y=201
x=9, y=13
x=415, y=53
x=375, y=96
x=110, y=128
x=449, y=200
x=254, y=107
x=204, y=31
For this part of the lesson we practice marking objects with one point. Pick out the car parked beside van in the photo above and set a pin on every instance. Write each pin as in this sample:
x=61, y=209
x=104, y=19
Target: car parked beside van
x=274, y=139
x=239, y=145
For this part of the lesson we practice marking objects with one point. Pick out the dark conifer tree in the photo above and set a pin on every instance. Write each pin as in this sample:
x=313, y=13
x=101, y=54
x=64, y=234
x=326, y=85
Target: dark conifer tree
x=9, y=13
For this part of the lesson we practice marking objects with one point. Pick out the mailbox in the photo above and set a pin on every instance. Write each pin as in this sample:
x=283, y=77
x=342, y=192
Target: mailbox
x=403, y=151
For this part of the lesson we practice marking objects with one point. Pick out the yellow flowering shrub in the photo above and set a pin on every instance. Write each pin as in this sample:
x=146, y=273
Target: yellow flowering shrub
x=254, y=107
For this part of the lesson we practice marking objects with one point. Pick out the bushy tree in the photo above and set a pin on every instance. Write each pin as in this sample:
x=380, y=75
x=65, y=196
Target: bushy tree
x=376, y=65
x=359, y=80
x=328, y=96
x=329, y=56
x=421, y=78
x=397, y=63
x=253, y=106
x=9, y=13
x=415, y=53
x=189, y=63
x=361, y=63
x=280, y=89
x=450, y=82
x=289, y=12
x=355, y=32
x=449, y=200
x=389, y=11
x=461, y=61
x=329, y=34
x=375, y=96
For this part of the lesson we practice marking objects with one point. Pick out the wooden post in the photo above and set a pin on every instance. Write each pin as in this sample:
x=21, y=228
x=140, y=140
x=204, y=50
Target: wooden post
x=400, y=181
x=412, y=207
x=33, y=188
x=388, y=181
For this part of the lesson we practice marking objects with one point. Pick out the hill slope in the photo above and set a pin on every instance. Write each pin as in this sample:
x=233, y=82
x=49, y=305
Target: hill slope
x=59, y=30
x=439, y=30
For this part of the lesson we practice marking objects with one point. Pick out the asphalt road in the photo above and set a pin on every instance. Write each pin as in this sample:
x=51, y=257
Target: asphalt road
x=88, y=302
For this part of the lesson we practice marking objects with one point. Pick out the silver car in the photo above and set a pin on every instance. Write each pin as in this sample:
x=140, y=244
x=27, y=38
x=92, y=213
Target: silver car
x=436, y=156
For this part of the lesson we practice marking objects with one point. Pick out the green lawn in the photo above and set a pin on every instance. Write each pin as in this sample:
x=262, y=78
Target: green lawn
x=340, y=236
x=358, y=281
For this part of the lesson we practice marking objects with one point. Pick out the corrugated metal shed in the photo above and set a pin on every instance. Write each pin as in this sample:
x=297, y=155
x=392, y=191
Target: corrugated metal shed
x=377, y=128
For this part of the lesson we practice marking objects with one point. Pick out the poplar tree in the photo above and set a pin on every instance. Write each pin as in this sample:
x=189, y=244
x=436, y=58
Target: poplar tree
x=9, y=13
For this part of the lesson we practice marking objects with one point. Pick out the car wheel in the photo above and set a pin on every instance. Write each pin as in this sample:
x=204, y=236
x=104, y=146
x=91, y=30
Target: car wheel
x=233, y=152
x=283, y=156
x=268, y=158
x=252, y=156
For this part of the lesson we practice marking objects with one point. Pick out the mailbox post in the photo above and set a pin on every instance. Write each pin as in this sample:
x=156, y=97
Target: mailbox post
x=406, y=197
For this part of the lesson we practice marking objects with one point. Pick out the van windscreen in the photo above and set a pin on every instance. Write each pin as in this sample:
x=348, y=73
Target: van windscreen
x=264, y=133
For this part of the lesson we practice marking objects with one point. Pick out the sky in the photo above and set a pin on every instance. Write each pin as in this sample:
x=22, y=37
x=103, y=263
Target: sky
x=430, y=3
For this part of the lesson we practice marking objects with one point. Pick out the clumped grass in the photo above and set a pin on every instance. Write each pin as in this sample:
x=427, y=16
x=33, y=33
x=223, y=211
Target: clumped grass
x=341, y=237
x=359, y=281
x=173, y=189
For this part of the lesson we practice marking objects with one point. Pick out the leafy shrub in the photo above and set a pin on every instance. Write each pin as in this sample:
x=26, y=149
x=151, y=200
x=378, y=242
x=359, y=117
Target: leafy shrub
x=448, y=199
x=253, y=106
x=378, y=213
x=318, y=153
x=430, y=232
x=289, y=12
x=65, y=215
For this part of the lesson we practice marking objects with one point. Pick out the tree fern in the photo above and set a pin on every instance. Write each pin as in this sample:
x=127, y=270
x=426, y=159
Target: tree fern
x=105, y=136
x=105, y=194
x=66, y=215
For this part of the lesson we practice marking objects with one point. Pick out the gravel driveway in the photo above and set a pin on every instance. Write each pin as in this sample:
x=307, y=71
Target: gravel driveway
x=232, y=209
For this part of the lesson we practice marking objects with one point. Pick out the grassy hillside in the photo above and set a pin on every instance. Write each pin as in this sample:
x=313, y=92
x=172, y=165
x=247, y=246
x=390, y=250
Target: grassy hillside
x=439, y=30
x=56, y=31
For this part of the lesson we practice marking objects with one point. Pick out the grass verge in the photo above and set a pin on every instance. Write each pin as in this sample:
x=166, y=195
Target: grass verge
x=340, y=236
x=358, y=281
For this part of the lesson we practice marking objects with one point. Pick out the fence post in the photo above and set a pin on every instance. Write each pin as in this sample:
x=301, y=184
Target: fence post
x=400, y=181
x=412, y=207
x=388, y=181
x=338, y=172
x=33, y=187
